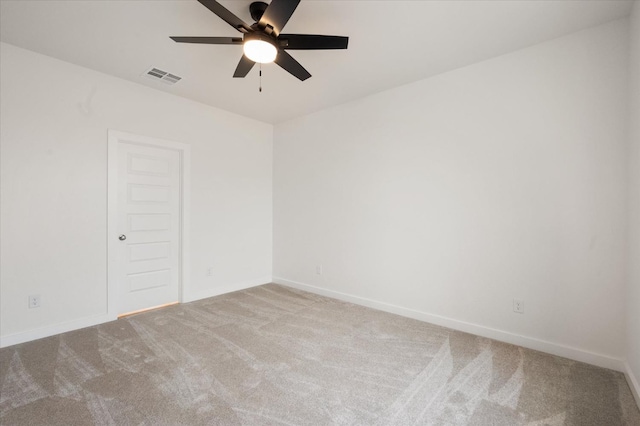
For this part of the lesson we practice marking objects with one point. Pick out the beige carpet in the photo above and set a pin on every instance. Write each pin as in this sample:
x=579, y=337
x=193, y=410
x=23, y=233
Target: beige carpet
x=272, y=355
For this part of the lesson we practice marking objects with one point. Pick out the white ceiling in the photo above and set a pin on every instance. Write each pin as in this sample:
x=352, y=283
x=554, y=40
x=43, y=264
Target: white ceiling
x=391, y=43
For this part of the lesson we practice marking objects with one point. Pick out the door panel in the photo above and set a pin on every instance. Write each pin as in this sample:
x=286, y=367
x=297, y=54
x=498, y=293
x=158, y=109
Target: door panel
x=149, y=222
x=148, y=165
x=148, y=280
x=149, y=216
x=149, y=193
x=149, y=251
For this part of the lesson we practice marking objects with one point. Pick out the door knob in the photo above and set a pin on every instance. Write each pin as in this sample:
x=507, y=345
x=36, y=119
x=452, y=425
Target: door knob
x=122, y=237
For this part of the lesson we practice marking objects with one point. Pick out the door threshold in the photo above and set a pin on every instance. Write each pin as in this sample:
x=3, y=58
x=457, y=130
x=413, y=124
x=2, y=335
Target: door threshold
x=139, y=311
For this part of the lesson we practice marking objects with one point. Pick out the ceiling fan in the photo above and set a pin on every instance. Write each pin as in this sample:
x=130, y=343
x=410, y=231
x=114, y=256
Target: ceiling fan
x=262, y=41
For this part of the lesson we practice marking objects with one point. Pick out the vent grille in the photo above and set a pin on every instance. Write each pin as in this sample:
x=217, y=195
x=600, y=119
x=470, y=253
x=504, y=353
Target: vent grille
x=164, y=76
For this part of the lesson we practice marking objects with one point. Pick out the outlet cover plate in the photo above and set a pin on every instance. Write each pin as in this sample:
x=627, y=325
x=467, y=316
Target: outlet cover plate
x=518, y=306
x=34, y=301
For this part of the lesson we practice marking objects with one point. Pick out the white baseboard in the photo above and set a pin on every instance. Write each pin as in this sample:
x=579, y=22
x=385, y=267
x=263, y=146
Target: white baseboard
x=39, y=333
x=50, y=330
x=576, y=354
x=228, y=288
x=634, y=384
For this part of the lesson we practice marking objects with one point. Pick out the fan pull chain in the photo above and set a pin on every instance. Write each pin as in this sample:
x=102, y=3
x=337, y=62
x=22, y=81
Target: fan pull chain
x=260, y=89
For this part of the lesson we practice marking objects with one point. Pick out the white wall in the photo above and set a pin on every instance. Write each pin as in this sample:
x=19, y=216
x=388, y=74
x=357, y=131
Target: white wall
x=633, y=297
x=53, y=137
x=451, y=196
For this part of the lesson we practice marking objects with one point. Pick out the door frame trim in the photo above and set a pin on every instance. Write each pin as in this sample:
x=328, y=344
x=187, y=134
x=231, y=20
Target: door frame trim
x=115, y=137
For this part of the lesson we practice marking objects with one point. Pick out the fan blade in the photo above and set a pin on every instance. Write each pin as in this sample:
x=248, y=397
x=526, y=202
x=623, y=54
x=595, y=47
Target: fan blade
x=277, y=14
x=226, y=15
x=312, y=42
x=292, y=66
x=208, y=40
x=243, y=68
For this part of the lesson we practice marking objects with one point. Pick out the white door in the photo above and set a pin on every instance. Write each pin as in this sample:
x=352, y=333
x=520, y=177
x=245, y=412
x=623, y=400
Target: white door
x=148, y=227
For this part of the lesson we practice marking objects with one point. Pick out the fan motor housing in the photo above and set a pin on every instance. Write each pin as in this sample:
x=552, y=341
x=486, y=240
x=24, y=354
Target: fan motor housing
x=257, y=35
x=256, y=9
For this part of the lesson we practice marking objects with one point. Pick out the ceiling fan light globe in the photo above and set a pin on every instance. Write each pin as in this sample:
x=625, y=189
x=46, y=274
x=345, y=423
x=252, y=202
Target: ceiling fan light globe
x=260, y=51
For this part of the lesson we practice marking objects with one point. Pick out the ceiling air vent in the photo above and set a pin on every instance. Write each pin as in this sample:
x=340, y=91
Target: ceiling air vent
x=165, y=77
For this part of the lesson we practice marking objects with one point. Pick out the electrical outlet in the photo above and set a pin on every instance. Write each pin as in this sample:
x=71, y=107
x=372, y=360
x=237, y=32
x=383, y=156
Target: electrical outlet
x=319, y=269
x=210, y=271
x=518, y=306
x=34, y=301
